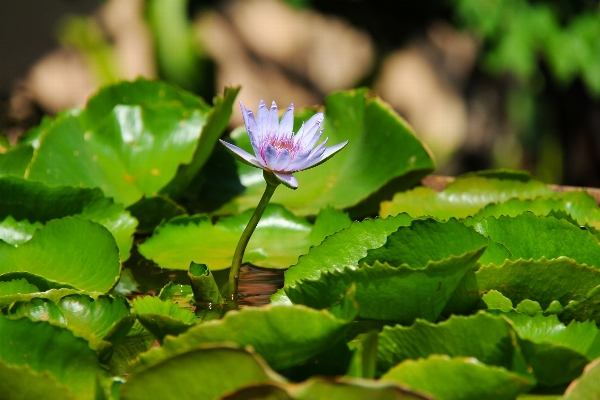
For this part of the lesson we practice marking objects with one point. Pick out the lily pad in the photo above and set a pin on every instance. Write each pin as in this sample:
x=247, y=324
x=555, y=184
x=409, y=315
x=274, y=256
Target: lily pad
x=45, y=203
x=466, y=195
x=55, y=350
x=529, y=236
x=73, y=251
x=207, y=372
x=382, y=150
x=341, y=250
x=283, y=335
x=128, y=146
x=490, y=339
x=278, y=240
x=458, y=378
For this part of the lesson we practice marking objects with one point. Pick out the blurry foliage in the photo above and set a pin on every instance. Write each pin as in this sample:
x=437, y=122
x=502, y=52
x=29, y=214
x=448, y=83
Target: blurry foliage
x=518, y=32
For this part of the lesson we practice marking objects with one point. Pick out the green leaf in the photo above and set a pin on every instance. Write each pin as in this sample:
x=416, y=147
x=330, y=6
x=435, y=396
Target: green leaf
x=587, y=386
x=341, y=250
x=278, y=240
x=142, y=92
x=129, y=142
x=544, y=281
x=55, y=350
x=14, y=161
x=72, y=251
x=382, y=150
x=364, y=355
x=529, y=236
x=162, y=318
x=557, y=353
x=458, y=378
x=207, y=372
x=466, y=195
x=400, y=294
x=23, y=383
x=487, y=338
x=283, y=335
x=45, y=203
x=216, y=121
x=580, y=205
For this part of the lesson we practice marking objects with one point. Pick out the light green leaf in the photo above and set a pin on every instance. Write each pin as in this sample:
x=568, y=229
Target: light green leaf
x=278, y=240
x=466, y=195
x=72, y=251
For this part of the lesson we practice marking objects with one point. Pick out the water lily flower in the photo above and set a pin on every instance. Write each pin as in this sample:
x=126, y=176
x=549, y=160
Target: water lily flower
x=277, y=149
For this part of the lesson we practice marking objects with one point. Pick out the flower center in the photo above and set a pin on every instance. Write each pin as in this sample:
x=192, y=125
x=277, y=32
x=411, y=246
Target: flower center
x=279, y=144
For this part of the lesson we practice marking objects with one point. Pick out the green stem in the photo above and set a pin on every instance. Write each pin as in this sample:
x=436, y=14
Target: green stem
x=234, y=274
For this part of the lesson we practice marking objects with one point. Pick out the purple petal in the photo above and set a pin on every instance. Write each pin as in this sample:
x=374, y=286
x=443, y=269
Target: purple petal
x=282, y=161
x=315, y=139
x=287, y=179
x=313, y=157
x=286, y=126
x=273, y=124
x=251, y=128
x=263, y=116
x=298, y=160
x=242, y=155
x=329, y=152
x=310, y=128
x=270, y=156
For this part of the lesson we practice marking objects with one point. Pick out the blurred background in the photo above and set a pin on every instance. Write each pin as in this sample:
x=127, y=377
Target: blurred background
x=485, y=83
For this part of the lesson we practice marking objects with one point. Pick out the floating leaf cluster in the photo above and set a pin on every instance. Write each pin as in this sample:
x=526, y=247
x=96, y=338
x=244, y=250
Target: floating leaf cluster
x=112, y=217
